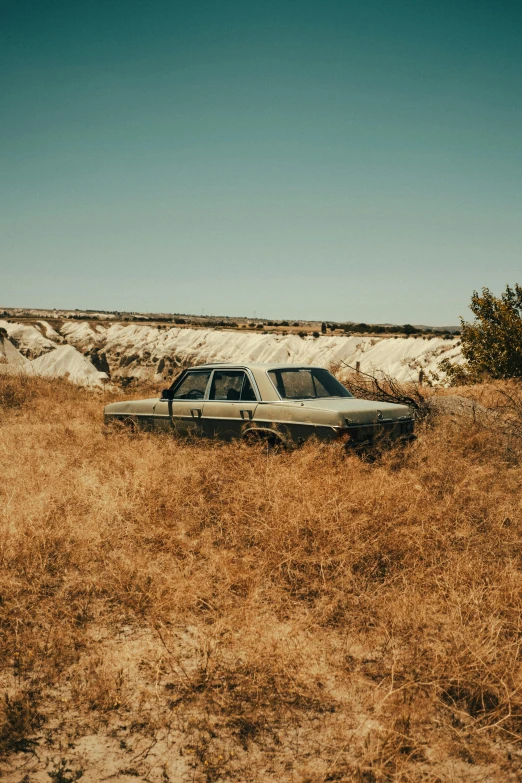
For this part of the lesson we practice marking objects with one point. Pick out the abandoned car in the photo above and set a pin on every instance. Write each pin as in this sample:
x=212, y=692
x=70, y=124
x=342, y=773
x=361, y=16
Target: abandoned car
x=282, y=405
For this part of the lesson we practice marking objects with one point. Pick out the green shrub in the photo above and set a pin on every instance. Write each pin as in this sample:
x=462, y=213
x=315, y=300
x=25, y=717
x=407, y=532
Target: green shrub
x=492, y=343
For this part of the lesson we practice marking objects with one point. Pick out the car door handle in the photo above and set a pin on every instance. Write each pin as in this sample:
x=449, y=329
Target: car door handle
x=196, y=413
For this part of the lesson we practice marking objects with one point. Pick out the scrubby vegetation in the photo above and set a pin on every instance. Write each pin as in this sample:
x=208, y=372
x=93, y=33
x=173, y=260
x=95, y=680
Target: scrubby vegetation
x=406, y=329
x=206, y=612
x=382, y=387
x=492, y=343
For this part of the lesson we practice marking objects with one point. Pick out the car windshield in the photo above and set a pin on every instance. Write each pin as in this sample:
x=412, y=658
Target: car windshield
x=306, y=383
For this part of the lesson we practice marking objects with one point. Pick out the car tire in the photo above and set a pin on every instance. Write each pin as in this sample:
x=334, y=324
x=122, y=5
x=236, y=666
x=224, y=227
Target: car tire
x=268, y=440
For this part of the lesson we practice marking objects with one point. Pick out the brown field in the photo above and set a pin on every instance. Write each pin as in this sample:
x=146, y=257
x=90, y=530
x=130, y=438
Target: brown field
x=202, y=612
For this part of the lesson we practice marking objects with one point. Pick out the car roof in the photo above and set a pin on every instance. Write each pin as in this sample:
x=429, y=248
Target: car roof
x=255, y=366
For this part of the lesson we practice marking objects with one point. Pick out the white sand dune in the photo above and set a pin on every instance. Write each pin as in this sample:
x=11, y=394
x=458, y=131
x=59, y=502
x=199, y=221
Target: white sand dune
x=28, y=339
x=82, y=335
x=49, y=332
x=143, y=351
x=9, y=355
x=52, y=358
x=149, y=352
x=66, y=361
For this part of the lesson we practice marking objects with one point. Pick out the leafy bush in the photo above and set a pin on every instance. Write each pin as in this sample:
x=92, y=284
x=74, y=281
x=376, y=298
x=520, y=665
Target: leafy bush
x=492, y=343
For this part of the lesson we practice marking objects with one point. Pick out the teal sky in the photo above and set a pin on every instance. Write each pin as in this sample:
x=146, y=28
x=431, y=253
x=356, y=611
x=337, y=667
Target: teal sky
x=336, y=160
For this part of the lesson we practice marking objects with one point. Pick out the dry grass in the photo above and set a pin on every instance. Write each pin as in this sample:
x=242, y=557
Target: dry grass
x=206, y=612
x=382, y=387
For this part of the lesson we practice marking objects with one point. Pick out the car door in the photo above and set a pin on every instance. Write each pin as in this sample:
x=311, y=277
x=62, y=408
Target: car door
x=182, y=414
x=231, y=404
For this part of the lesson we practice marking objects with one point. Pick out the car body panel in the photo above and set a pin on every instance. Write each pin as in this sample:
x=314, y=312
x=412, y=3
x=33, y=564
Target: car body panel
x=182, y=417
x=226, y=419
x=290, y=421
x=163, y=416
x=138, y=412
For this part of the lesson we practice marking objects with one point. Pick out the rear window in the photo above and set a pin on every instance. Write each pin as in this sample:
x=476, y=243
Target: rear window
x=306, y=384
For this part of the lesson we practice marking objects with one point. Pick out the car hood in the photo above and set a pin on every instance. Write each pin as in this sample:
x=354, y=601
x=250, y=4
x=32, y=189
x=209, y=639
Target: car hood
x=131, y=406
x=357, y=411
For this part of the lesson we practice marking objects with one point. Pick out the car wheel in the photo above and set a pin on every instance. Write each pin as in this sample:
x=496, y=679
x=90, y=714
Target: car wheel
x=126, y=425
x=267, y=440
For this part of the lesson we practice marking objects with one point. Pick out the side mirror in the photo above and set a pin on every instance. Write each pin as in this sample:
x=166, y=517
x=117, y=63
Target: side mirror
x=167, y=394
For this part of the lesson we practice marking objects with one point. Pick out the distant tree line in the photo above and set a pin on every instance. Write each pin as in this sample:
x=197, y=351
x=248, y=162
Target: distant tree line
x=362, y=328
x=326, y=327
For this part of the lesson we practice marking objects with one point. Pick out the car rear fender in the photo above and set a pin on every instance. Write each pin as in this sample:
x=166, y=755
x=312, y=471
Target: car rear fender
x=264, y=433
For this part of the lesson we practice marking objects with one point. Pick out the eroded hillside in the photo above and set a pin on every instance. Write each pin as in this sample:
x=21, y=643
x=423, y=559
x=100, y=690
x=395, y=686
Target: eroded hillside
x=145, y=352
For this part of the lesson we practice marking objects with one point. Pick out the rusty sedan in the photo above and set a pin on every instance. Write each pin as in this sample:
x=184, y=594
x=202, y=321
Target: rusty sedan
x=282, y=405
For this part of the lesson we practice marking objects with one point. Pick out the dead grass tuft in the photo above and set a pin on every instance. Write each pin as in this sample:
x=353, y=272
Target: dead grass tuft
x=14, y=391
x=19, y=720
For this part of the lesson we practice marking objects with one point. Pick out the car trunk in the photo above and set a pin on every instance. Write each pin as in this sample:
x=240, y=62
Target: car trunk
x=356, y=411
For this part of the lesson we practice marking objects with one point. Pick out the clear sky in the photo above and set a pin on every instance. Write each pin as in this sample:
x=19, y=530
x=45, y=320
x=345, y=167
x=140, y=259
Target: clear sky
x=332, y=159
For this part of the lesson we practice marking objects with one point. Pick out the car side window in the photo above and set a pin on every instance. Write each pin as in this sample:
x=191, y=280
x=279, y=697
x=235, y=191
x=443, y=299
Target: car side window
x=192, y=387
x=231, y=385
x=247, y=392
